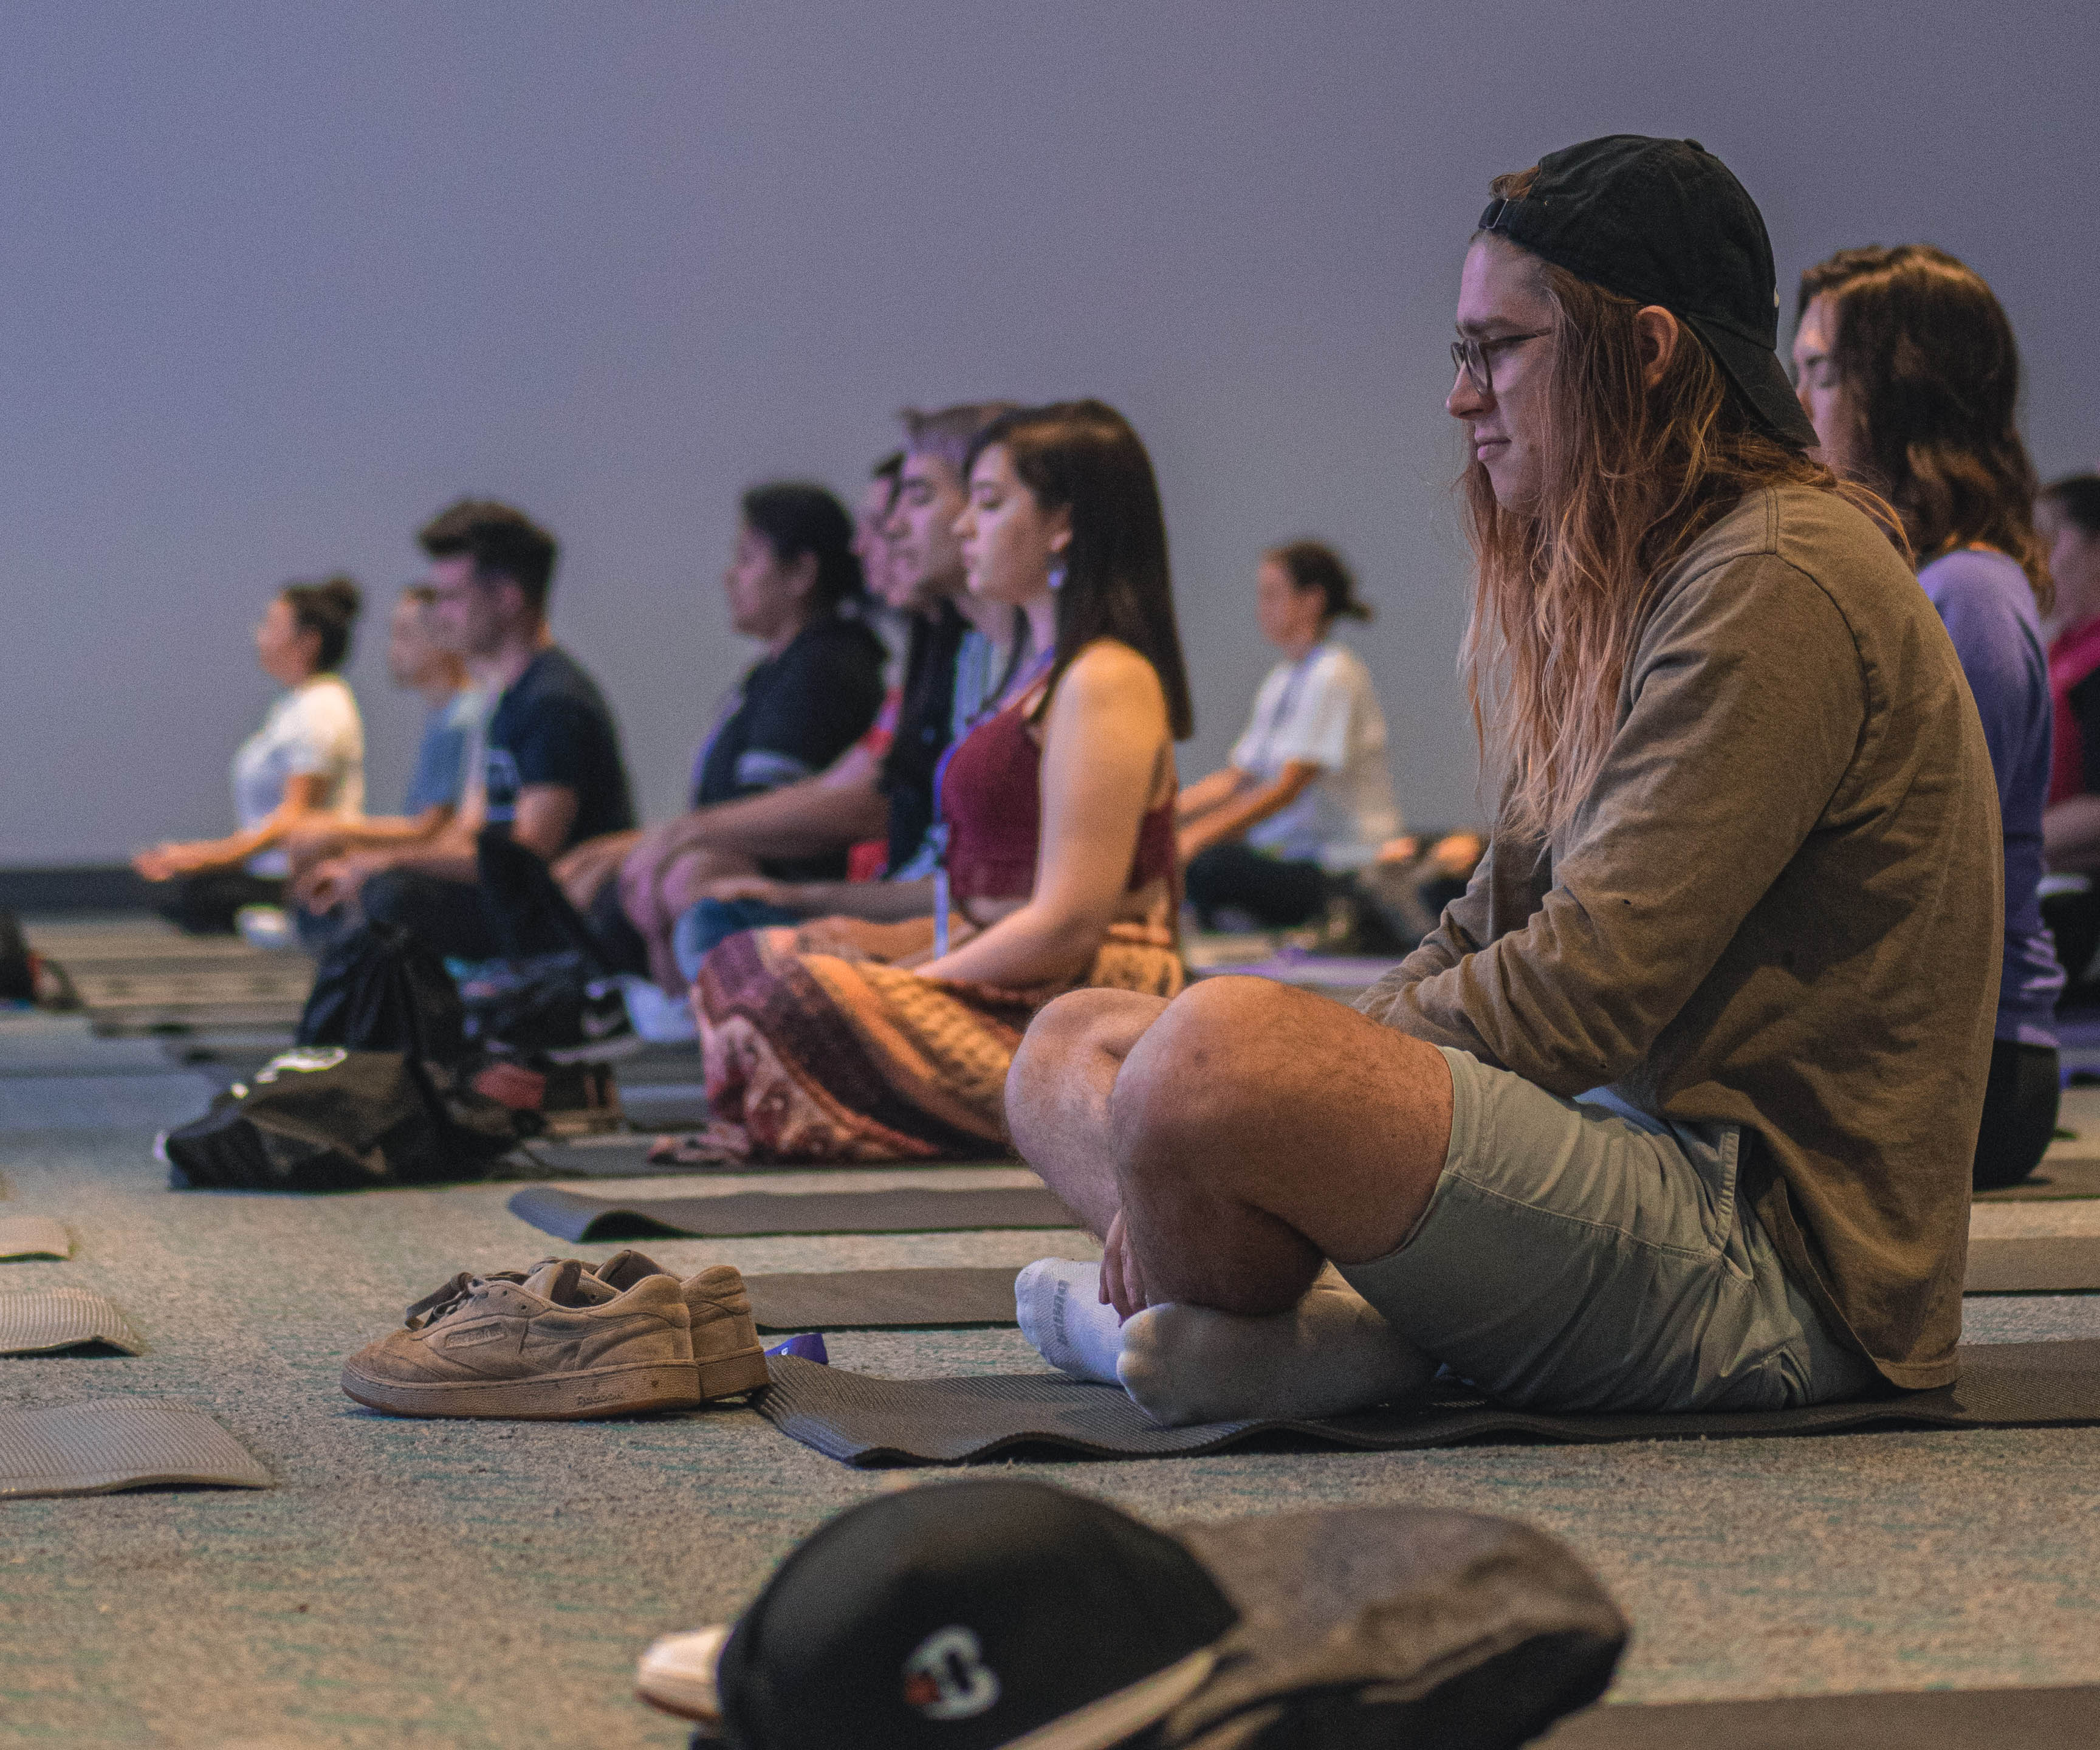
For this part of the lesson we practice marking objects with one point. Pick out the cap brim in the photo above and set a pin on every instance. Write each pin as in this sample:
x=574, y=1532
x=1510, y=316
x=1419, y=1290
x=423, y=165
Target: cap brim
x=678, y=1675
x=1754, y=368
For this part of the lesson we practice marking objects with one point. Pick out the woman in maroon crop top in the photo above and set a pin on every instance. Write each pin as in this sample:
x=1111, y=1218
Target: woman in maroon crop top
x=845, y=1041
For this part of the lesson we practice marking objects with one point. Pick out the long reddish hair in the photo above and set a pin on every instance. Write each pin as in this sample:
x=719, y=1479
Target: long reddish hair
x=1931, y=376
x=1634, y=475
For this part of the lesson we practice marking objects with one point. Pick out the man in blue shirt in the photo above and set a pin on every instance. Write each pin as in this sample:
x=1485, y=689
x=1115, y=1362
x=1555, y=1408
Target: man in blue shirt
x=552, y=770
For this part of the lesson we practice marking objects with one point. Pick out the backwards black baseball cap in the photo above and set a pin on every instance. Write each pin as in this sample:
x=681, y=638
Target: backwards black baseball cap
x=971, y=1616
x=1664, y=221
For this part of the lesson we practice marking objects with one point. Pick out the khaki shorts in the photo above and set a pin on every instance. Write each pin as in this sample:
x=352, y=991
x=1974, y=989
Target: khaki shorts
x=1581, y=1255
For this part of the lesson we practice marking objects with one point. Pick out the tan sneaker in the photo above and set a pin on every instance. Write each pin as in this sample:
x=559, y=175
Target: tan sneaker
x=725, y=1347
x=558, y=1344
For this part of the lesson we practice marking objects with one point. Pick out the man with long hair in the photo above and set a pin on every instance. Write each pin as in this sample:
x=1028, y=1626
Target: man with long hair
x=1673, y=1110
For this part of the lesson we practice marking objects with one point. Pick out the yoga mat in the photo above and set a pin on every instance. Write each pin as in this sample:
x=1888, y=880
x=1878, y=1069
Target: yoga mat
x=861, y=1419
x=33, y=1236
x=569, y=1215
x=43, y=1321
x=2055, y=1180
x=1931, y=1719
x=871, y=1300
x=627, y=1158
x=2051, y=1266
x=105, y=1443
x=1314, y=971
x=666, y=1105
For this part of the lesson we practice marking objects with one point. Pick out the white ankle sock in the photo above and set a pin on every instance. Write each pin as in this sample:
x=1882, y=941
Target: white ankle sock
x=1330, y=1353
x=1058, y=1304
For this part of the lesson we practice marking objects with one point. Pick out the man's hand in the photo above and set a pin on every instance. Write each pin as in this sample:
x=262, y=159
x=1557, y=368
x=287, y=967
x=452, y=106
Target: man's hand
x=336, y=881
x=1122, y=1283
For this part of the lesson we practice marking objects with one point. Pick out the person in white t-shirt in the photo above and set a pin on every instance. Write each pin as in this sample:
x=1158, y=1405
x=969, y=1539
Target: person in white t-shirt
x=1308, y=796
x=305, y=763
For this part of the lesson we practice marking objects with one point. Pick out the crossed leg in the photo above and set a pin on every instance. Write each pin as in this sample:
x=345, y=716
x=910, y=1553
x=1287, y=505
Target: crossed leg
x=1225, y=1146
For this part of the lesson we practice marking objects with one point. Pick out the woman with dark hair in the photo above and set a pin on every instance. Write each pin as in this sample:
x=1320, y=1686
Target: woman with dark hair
x=1907, y=368
x=844, y=1040
x=794, y=584
x=1306, y=796
x=2067, y=521
x=307, y=763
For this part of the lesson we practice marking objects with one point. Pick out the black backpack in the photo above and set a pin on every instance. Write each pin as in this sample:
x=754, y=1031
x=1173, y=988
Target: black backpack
x=325, y=1118
x=381, y=989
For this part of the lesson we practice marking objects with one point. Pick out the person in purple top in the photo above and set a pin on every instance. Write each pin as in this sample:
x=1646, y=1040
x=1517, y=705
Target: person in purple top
x=1907, y=367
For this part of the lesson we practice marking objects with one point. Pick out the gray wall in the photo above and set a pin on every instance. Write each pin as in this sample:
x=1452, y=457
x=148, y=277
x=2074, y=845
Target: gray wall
x=275, y=282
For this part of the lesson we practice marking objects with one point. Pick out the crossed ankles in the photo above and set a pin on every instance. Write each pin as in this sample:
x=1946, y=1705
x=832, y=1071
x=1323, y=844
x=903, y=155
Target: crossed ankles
x=1181, y=1364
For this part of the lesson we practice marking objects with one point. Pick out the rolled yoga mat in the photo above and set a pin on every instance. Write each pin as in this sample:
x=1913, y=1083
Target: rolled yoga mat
x=570, y=1216
x=2049, y=1265
x=1930, y=1719
x=105, y=1443
x=2054, y=1181
x=46, y=1321
x=861, y=1419
x=845, y=1300
x=930, y=1299
x=33, y=1236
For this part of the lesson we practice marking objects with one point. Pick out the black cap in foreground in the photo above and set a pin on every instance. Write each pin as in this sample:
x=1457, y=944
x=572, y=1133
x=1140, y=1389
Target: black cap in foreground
x=966, y=1616
x=1664, y=221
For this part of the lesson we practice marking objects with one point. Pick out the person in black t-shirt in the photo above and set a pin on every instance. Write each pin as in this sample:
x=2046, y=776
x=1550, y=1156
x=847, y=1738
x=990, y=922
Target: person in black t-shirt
x=553, y=771
x=794, y=583
x=865, y=795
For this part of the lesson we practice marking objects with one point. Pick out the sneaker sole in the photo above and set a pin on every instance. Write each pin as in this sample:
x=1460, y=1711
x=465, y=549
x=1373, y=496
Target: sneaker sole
x=624, y=1391
x=727, y=1375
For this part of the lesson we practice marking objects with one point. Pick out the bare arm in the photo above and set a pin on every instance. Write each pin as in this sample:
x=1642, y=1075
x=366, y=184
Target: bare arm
x=1106, y=732
x=841, y=805
x=874, y=901
x=301, y=802
x=1212, y=790
x=1233, y=819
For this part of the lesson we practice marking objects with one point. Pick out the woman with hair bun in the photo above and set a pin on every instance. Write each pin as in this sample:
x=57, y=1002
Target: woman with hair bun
x=794, y=584
x=305, y=763
x=1306, y=796
x=1907, y=368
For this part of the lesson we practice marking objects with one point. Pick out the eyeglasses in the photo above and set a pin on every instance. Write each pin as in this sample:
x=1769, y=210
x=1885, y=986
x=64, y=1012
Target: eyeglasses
x=1475, y=358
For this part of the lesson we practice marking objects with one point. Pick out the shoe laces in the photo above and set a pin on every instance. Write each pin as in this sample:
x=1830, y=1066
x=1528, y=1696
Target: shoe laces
x=441, y=1301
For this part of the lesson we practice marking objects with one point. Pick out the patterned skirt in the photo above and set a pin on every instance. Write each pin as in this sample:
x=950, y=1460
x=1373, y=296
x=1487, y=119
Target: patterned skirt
x=816, y=1049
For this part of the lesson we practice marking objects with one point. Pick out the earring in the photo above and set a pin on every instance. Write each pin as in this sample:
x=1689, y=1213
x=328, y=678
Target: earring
x=1056, y=576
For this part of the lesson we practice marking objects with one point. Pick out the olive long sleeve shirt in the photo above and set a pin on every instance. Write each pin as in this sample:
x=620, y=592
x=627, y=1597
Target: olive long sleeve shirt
x=1779, y=905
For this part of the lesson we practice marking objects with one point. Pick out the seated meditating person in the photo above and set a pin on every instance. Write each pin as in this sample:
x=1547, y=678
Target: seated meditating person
x=551, y=772
x=306, y=765
x=959, y=649
x=1306, y=796
x=794, y=584
x=843, y=1040
x=448, y=755
x=2068, y=519
x=1907, y=365
x=1675, y=1109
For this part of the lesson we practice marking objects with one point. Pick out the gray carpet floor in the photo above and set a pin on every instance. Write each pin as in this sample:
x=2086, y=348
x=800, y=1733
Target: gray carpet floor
x=458, y=1584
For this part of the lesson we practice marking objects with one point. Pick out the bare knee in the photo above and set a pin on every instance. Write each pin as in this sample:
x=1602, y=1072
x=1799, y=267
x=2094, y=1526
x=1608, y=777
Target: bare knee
x=1200, y=1089
x=1070, y=1036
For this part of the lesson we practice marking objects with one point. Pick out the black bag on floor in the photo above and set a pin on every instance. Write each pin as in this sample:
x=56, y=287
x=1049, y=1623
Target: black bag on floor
x=381, y=989
x=323, y=1118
